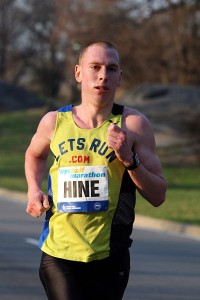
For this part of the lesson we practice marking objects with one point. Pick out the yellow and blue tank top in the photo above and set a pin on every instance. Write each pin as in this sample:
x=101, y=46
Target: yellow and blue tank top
x=91, y=194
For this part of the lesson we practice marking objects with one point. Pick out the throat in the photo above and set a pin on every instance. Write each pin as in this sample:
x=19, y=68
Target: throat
x=86, y=123
x=87, y=120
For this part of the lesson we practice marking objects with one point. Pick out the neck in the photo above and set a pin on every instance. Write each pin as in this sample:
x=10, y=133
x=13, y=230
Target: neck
x=90, y=116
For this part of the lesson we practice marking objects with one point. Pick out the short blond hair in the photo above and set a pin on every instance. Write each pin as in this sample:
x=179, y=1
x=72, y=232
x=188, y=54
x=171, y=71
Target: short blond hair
x=103, y=44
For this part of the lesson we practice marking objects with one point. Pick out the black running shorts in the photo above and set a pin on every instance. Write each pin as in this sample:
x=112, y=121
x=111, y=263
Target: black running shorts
x=104, y=279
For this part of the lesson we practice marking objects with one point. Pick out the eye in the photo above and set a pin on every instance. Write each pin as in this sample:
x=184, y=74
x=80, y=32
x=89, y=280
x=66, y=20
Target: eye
x=113, y=68
x=95, y=67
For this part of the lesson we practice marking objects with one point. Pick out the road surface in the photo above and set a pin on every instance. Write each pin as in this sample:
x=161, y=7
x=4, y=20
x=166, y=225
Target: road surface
x=163, y=265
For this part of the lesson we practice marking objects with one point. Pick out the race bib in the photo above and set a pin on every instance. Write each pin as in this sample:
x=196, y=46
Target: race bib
x=82, y=189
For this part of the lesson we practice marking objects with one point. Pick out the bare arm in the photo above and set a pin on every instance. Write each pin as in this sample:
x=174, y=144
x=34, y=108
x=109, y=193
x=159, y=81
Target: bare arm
x=35, y=165
x=137, y=135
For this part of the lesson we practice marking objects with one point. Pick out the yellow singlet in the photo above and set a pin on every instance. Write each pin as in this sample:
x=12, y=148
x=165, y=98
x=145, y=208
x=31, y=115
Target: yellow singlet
x=92, y=209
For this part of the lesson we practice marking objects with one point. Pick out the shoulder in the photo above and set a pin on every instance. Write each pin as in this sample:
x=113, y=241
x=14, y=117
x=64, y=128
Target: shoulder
x=138, y=129
x=47, y=124
x=132, y=118
x=49, y=117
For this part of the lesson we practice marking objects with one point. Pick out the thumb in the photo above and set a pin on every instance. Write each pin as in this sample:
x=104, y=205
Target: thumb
x=111, y=126
x=46, y=202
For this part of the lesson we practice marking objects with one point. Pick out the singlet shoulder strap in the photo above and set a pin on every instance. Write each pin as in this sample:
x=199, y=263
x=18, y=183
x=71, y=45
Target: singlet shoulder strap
x=65, y=108
x=117, y=109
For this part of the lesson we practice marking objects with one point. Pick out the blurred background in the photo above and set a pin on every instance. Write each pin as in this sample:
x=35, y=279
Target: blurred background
x=159, y=46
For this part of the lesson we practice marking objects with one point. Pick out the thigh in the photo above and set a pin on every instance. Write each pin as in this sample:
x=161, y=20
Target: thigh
x=58, y=279
x=107, y=279
x=120, y=268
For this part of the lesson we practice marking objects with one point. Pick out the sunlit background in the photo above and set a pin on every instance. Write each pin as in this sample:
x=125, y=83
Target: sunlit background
x=159, y=45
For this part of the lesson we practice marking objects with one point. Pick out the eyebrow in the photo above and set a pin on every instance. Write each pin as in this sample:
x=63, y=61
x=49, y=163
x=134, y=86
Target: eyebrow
x=108, y=65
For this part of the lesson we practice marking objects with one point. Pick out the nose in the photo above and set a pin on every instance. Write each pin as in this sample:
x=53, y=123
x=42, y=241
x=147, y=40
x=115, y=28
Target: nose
x=103, y=74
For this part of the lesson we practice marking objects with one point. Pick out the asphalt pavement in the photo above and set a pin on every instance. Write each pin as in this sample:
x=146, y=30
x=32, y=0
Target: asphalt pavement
x=165, y=256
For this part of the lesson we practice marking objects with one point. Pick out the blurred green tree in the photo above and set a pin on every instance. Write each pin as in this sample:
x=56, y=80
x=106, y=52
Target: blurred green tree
x=159, y=41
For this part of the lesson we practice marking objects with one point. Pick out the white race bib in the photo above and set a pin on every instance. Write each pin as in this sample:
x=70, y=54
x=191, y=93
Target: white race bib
x=82, y=189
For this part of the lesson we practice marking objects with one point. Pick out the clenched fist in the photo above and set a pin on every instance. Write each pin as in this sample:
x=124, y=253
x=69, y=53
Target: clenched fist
x=37, y=204
x=117, y=140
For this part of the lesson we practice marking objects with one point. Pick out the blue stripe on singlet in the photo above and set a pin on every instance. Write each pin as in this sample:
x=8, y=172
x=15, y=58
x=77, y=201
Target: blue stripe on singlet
x=65, y=108
x=45, y=230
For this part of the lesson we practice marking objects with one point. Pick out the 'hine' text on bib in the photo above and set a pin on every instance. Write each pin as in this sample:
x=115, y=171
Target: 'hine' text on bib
x=82, y=189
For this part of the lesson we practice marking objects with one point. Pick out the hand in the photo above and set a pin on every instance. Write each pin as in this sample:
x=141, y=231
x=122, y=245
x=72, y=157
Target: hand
x=117, y=140
x=38, y=203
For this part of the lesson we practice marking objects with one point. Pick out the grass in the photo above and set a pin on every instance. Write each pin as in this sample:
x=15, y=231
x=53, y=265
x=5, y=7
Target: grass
x=182, y=202
x=16, y=130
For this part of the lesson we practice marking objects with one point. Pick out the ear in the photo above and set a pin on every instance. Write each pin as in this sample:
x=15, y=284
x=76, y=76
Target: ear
x=120, y=78
x=77, y=73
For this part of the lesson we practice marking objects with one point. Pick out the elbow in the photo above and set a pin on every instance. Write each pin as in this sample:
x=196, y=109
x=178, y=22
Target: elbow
x=157, y=195
x=157, y=202
x=28, y=153
x=159, y=199
x=161, y=196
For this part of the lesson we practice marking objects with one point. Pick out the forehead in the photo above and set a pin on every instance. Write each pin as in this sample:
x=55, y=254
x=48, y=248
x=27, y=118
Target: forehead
x=99, y=54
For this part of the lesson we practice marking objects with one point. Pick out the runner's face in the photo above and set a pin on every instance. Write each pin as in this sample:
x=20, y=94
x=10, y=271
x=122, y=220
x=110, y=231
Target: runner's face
x=99, y=73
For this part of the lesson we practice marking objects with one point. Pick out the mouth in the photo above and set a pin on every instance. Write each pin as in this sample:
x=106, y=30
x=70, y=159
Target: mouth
x=102, y=88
